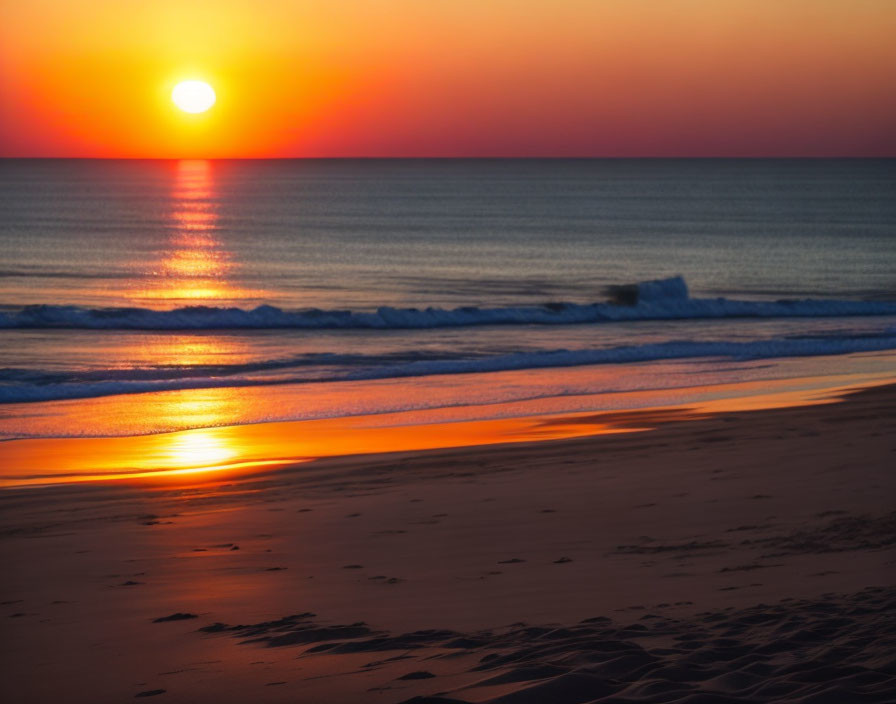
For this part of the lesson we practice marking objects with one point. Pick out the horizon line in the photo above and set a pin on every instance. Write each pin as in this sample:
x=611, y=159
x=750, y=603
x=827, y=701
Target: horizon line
x=447, y=158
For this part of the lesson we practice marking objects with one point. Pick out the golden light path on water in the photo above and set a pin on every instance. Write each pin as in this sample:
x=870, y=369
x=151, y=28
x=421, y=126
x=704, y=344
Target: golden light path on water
x=195, y=268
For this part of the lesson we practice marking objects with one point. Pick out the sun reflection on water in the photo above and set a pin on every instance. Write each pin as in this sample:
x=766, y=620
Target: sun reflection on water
x=195, y=266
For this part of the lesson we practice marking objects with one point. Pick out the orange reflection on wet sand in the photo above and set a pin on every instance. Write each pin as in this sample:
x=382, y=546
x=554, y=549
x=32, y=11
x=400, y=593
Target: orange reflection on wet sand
x=199, y=448
x=220, y=453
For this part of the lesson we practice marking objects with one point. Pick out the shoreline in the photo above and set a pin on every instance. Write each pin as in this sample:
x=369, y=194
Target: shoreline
x=230, y=452
x=727, y=512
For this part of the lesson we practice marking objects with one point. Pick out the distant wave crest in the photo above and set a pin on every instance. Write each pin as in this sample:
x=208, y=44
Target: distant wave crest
x=665, y=299
x=17, y=386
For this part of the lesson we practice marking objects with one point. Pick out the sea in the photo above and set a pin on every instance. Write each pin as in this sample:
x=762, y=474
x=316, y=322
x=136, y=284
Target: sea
x=141, y=297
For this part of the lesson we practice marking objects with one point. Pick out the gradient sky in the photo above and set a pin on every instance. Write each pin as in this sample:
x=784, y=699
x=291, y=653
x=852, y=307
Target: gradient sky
x=450, y=78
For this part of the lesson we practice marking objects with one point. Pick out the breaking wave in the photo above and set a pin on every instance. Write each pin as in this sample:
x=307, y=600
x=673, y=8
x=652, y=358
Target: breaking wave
x=666, y=299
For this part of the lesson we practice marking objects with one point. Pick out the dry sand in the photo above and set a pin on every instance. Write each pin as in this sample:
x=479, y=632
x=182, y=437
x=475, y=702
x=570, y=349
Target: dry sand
x=744, y=557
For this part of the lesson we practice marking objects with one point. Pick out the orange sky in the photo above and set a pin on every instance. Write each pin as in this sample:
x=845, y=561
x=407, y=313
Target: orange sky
x=450, y=77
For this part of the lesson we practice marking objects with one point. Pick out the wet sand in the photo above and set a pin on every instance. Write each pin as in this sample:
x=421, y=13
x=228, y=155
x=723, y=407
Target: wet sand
x=746, y=556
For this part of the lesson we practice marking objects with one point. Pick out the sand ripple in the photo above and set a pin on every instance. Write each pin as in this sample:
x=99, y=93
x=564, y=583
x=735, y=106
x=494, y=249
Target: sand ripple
x=835, y=649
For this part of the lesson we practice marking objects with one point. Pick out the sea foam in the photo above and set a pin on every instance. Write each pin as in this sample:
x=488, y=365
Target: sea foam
x=665, y=299
x=30, y=385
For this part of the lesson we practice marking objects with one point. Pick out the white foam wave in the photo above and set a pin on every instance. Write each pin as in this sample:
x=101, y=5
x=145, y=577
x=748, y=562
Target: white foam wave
x=16, y=390
x=665, y=299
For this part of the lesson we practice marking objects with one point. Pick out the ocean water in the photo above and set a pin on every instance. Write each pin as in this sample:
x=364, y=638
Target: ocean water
x=323, y=279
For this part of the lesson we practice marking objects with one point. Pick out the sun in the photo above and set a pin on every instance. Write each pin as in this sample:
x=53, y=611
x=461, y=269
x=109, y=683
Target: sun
x=193, y=96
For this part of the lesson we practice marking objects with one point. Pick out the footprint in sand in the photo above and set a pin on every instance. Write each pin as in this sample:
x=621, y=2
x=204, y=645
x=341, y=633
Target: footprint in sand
x=179, y=616
x=419, y=675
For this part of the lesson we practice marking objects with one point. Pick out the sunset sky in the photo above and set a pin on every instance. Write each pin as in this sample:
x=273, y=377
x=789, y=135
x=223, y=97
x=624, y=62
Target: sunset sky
x=296, y=78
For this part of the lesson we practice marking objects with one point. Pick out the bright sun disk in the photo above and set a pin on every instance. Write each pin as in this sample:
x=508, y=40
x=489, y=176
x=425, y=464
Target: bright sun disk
x=193, y=96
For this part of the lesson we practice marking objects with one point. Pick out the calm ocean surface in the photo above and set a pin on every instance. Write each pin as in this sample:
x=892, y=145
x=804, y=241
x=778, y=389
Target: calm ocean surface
x=314, y=278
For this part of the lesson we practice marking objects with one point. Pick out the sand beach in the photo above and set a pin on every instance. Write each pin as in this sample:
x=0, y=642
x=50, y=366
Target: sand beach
x=744, y=556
